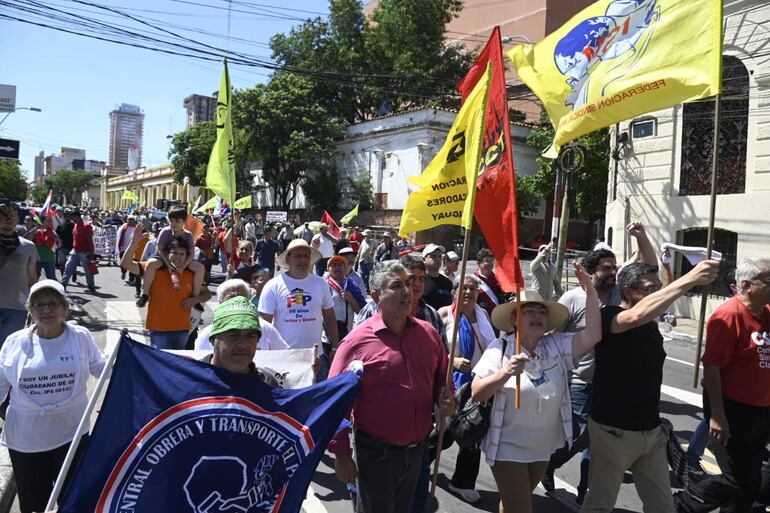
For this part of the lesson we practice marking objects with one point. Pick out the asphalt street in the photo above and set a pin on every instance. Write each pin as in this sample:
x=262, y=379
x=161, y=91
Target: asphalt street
x=112, y=308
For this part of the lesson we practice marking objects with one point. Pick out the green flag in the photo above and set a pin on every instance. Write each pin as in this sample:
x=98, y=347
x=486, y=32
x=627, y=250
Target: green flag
x=220, y=174
x=209, y=205
x=128, y=195
x=243, y=203
x=350, y=215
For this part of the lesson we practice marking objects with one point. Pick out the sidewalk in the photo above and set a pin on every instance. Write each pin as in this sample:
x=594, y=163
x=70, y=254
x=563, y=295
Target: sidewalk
x=686, y=330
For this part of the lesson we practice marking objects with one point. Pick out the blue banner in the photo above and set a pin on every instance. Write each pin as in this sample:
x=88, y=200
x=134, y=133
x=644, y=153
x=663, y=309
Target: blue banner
x=179, y=435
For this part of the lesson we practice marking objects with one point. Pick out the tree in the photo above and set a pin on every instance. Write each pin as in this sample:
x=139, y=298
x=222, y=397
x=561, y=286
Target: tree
x=287, y=130
x=69, y=184
x=589, y=183
x=13, y=185
x=190, y=151
x=361, y=190
x=527, y=195
x=322, y=188
x=38, y=193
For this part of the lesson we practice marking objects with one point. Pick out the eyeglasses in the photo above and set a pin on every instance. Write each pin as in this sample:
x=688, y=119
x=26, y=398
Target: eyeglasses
x=232, y=337
x=53, y=305
x=648, y=290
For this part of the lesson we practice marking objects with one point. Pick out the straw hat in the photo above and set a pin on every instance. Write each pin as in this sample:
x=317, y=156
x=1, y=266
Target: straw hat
x=315, y=255
x=502, y=318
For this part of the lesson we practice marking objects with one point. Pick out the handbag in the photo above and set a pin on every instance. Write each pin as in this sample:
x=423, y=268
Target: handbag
x=471, y=422
x=93, y=268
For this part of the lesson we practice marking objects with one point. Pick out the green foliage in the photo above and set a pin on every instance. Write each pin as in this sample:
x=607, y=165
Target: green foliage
x=399, y=60
x=69, y=184
x=13, y=185
x=527, y=195
x=288, y=130
x=322, y=189
x=589, y=184
x=38, y=194
x=361, y=190
x=190, y=151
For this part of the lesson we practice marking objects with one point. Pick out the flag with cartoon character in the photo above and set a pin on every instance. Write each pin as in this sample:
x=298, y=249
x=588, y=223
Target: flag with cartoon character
x=618, y=59
x=180, y=435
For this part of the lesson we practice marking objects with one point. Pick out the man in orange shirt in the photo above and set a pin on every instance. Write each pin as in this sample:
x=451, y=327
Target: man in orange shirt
x=171, y=296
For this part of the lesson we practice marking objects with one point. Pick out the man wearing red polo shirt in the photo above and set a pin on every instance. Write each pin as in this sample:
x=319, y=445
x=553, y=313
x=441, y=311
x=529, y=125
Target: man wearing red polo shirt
x=405, y=367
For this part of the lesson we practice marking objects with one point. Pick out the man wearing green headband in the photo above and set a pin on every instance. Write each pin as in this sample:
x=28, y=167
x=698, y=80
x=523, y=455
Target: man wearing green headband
x=235, y=333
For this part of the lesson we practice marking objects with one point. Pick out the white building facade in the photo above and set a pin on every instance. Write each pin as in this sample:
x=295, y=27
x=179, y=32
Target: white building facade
x=661, y=175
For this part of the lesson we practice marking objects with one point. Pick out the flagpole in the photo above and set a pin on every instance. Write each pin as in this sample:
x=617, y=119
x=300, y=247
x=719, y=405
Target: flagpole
x=518, y=344
x=84, y=421
x=452, y=348
x=710, y=238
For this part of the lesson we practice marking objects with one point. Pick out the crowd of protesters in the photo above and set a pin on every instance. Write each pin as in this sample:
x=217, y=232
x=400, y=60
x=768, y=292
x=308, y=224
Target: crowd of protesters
x=588, y=375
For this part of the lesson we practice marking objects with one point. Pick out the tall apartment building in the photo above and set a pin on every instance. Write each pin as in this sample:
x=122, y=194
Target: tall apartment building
x=126, y=127
x=200, y=108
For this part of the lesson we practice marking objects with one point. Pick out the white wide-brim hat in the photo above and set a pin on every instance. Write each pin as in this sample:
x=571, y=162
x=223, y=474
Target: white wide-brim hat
x=503, y=320
x=315, y=255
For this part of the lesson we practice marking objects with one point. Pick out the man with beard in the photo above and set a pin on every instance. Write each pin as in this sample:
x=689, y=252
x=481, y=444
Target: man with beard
x=602, y=267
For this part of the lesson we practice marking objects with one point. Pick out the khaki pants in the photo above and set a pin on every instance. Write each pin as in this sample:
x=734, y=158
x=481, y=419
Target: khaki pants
x=613, y=451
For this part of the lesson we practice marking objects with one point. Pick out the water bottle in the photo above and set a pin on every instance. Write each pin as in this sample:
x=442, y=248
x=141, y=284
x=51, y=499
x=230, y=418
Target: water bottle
x=175, y=280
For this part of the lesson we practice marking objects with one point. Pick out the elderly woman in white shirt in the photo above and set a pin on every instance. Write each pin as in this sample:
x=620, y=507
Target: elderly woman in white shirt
x=45, y=367
x=520, y=442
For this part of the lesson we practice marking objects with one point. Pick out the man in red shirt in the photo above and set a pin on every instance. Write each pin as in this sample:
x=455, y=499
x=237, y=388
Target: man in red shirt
x=405, y=366
x=736, y=402
x=355, y=238
x=82, y=251
x=490, y=293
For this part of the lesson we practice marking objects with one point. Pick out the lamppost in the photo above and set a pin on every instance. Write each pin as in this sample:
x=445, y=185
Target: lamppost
x=33, y=109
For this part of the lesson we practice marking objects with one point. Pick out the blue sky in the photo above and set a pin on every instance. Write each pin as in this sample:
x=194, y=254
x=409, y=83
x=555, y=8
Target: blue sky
x=77, y=81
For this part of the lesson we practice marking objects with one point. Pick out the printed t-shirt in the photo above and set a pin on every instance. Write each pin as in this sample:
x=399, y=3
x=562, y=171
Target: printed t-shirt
x=165, y=312
x=738, y=343
x=296, y=307
x=44, y=240
x=628, y=375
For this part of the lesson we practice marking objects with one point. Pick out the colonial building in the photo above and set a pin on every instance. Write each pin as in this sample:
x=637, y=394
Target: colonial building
x=149, y=184
x=661, y=174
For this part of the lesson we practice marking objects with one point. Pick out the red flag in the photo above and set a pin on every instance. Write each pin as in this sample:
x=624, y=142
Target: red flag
x=329, y=221
x=194, y=226
x=495, y=208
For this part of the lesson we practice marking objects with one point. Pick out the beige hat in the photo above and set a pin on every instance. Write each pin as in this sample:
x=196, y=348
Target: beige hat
x=557, y=312
x=315, y=255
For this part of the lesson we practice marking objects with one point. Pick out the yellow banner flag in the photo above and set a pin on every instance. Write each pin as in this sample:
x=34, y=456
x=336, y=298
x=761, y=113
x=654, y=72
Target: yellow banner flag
x=448, y=184
x=243, y=203
x=618, y=59
x=209, y=205
x=350, y=215
x=220, y=174
x=128, y=195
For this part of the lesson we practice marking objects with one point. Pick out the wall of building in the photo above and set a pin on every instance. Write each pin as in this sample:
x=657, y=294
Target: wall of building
x=650, y=172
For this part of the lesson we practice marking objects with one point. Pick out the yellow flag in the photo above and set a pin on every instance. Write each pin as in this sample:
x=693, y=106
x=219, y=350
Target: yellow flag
x=128, y=195
x=350, y=215
x=448, y=184
x=220, y=174
x=619, y=59
x=209, y=205
x=243, y=203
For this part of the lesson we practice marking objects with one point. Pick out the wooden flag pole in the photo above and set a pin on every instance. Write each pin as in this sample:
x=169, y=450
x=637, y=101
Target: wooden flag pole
x=710, y=238
x=453, y=347
x=518, y=344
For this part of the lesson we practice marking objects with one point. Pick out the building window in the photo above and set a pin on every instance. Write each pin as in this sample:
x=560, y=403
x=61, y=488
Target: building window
x=646, y=127
x=698, y=136
x=725, y=241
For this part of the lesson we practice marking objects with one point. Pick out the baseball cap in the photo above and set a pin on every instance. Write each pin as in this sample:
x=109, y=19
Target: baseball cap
x=430, y=248
x=336, y=259
x=452, y=256
x=47, y=284
x=237, y=313
x=346, y=251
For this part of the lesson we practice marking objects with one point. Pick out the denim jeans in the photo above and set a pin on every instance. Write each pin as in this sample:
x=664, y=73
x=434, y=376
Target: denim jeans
x=11, y=321
x=73, y=260
x=366, y=270
x=580, y=394
x=698, y=442
x=168, y=339
x=387, y=475
x=50, y=270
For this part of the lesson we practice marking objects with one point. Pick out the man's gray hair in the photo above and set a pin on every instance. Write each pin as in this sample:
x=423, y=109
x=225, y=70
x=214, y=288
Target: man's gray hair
x=468, y=277
x=632, y=273
x=750, y=269
x=228, y=286
x=381, y=273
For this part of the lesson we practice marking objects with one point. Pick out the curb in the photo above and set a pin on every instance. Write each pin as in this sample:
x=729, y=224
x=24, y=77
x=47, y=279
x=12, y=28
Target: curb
x=682, y=337
x=7, y=483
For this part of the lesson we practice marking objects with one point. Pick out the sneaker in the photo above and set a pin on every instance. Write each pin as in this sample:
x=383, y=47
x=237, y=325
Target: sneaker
x=142, y=300
x=581, y=497
x=547, y=481
x=468, y=495
x=91, y=290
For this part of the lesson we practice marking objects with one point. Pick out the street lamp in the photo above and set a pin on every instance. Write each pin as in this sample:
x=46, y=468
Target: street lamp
x=515, y=39
x=33, y=109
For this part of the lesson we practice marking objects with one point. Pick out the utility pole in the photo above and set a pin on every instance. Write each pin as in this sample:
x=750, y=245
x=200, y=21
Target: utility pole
x=571, y=159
